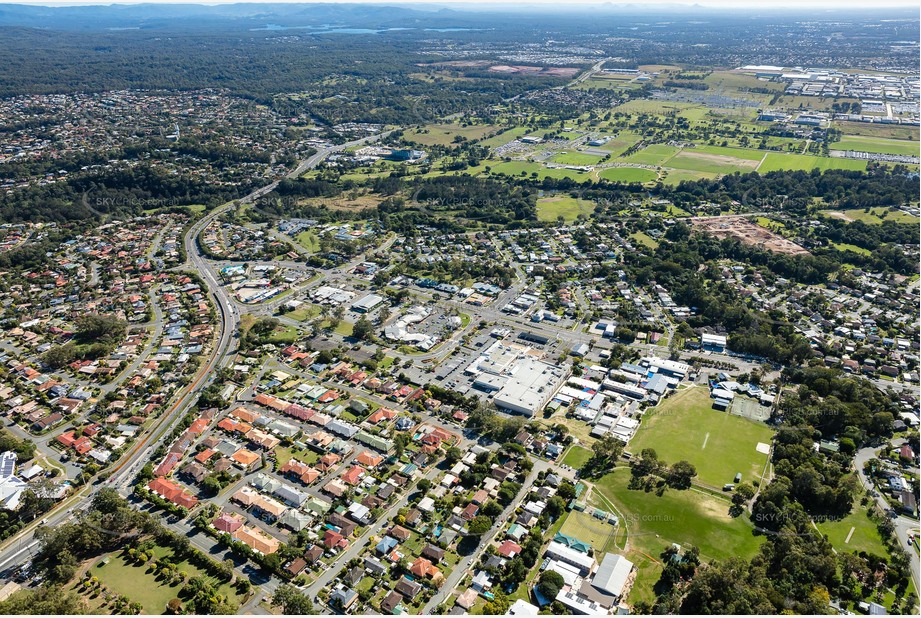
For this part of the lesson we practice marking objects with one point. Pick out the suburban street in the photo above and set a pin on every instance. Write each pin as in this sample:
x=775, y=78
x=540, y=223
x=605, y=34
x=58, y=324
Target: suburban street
x=904, y=525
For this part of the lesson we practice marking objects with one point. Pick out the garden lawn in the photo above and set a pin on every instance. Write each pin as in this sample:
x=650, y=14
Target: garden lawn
x=717, y=443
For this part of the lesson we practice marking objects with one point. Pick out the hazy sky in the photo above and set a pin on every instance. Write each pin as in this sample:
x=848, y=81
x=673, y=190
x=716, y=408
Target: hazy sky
x=735, y=4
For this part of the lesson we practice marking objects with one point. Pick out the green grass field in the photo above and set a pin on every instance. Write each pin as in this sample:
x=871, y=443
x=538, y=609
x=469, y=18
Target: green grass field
x=136, y=583
x=549, y=208
x=876, y=144
x=706, y=162
x=717, y=443
x=304, y=312
x=628, y=174
x=576, y=158
x=645, y=239
x=749, y=154
x=657, y=154
x=504, y=138
x=576, y=457
x=864, y=538
x=309, y=241
x=599, y=534
x=444, y=134
x=841, y=246
x=650, y=523
x=874, y=215
x=514, y=168
x=887, y=131
x=785, y=161
x=673, y=177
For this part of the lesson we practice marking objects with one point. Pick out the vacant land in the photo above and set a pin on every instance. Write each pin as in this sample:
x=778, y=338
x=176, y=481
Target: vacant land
x=711, y=162
x=628, y=174
x=309, y=241
x=775, y=161
x=876, y=144
x=515, y=168
x=718, y=444
x=445, y=134
x=749, y=233
x=873, y=216
x=549, y=208
x=657, y=154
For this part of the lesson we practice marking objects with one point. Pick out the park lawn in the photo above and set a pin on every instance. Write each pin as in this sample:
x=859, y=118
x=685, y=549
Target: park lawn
x=601, y=535
x=718, y=444
x=645, y=239
x=708, y=162
x=657, y=154
x=873, y=216
x=550, y=208
x=309, y=241
x=843, y=246
x=576, y=457
x=628, y=174
x=304, y=312
x=775, y=161
x=136, y=583
x=386, y=363
x=864, y=143
x=283, y=334
x=576, y=158
x=865, y=537
x=651, y=523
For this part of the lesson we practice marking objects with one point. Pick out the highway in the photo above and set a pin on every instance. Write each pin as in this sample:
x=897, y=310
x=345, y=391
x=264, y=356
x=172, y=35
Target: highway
x=18, y=548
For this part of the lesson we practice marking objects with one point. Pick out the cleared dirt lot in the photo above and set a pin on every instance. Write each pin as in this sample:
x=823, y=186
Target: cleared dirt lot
x=749, y=233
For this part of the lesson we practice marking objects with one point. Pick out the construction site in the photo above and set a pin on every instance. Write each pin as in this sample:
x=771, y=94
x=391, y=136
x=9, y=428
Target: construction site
x=742, y=229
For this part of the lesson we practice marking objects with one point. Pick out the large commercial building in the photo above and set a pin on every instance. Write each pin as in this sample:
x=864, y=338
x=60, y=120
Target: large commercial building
x=368, y=303
x=521, y=383
x=614, y=575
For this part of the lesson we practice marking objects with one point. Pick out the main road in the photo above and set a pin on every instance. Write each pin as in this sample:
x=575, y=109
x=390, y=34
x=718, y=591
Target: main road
x=16, y=548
